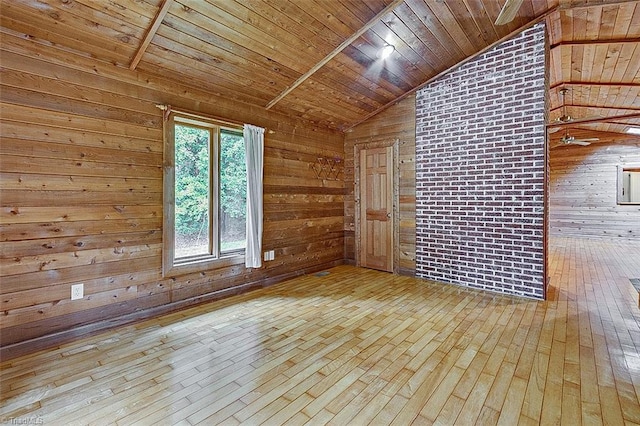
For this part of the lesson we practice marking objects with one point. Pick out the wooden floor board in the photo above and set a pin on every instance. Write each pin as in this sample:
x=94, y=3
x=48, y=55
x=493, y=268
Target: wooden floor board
x=358, y=347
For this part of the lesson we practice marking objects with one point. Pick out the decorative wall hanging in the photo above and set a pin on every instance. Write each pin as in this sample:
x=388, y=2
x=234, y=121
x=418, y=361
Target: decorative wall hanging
x=327, y=168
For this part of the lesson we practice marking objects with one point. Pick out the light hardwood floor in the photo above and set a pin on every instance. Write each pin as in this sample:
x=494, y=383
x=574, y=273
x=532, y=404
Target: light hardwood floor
x=361, y=347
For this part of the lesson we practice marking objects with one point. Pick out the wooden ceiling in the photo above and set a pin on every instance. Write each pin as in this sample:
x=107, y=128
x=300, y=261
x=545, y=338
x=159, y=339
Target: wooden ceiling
x=318, y=59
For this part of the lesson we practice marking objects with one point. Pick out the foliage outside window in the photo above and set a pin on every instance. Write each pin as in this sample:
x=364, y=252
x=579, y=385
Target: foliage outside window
x=205, y=195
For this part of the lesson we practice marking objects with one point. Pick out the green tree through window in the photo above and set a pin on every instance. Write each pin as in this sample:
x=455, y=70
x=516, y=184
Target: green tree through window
x=233, y=192
x=210, y=190
x=192, y=190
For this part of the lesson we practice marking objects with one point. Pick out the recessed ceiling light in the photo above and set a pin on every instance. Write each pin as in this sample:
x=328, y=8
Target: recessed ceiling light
x=634, y=130
x=386, y=50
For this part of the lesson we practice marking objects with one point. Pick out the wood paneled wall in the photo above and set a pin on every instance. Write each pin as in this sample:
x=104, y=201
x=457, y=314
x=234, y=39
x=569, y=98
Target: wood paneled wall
x=397, y=122
x=582, y=190
x=81, y=181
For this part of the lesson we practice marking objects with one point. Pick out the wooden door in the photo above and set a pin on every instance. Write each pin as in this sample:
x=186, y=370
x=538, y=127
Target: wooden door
x=376, y=208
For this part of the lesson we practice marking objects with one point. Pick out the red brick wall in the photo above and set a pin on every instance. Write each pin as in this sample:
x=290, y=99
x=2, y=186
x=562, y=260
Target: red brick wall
x=480, y=170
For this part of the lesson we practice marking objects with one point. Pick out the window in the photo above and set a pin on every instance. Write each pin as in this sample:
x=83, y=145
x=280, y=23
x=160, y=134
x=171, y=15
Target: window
x=205, y=184
x=629, y=184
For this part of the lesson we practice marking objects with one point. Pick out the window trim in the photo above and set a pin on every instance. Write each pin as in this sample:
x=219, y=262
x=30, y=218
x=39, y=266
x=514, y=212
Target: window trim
x=619, y=183
x=197, y=263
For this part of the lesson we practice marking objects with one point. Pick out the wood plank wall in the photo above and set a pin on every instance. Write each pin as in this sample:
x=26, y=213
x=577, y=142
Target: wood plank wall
x=582, y=190
x=397, y=122
x=81, y=182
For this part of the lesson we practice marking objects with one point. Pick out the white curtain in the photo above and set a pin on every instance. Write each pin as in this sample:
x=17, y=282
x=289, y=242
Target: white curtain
x=254, y=145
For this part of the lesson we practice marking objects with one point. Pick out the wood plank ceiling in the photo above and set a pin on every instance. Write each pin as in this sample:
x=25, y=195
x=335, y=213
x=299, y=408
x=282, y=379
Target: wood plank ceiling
x=318, y=59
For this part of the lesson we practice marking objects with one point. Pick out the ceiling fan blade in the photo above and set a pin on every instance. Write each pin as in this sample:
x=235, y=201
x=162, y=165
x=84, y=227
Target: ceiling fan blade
x=568, y=140
x=508, y=12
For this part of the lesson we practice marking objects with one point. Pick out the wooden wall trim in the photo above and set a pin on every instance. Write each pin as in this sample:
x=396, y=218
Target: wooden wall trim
x=545, y=203
x=11, y=351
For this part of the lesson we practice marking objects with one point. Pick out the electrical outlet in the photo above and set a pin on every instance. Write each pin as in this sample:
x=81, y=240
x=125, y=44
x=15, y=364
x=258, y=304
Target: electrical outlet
x=77, y=291
x=269, y=255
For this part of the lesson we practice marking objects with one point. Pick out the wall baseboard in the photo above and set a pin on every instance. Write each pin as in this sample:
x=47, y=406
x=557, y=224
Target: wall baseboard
x=51, y=340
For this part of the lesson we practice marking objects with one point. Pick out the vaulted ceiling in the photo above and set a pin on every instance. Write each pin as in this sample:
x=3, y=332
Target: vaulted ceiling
x=318, y=59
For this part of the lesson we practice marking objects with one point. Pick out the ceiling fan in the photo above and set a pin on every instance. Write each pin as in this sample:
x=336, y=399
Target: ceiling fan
x=508, y=12
x=572, y=140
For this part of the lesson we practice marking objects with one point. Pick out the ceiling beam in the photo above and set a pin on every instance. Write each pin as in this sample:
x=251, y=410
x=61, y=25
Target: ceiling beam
x=335, y=52
x=594, y=42
x=596, y=107
x=593, y=120
x=593, y=83
x=508, y=12
x=580, y=131
x=162, y=12
x=622, y=123
x=585, y=4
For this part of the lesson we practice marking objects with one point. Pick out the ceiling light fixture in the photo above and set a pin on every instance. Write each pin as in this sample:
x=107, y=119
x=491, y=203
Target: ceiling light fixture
x=634, y=130
x=386, y=50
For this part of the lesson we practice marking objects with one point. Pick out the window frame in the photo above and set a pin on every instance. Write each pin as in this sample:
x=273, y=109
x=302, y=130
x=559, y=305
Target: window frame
x=197, y=263
x=634, y=167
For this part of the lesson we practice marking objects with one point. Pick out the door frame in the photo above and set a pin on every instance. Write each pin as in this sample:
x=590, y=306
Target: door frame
x=357, y=149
